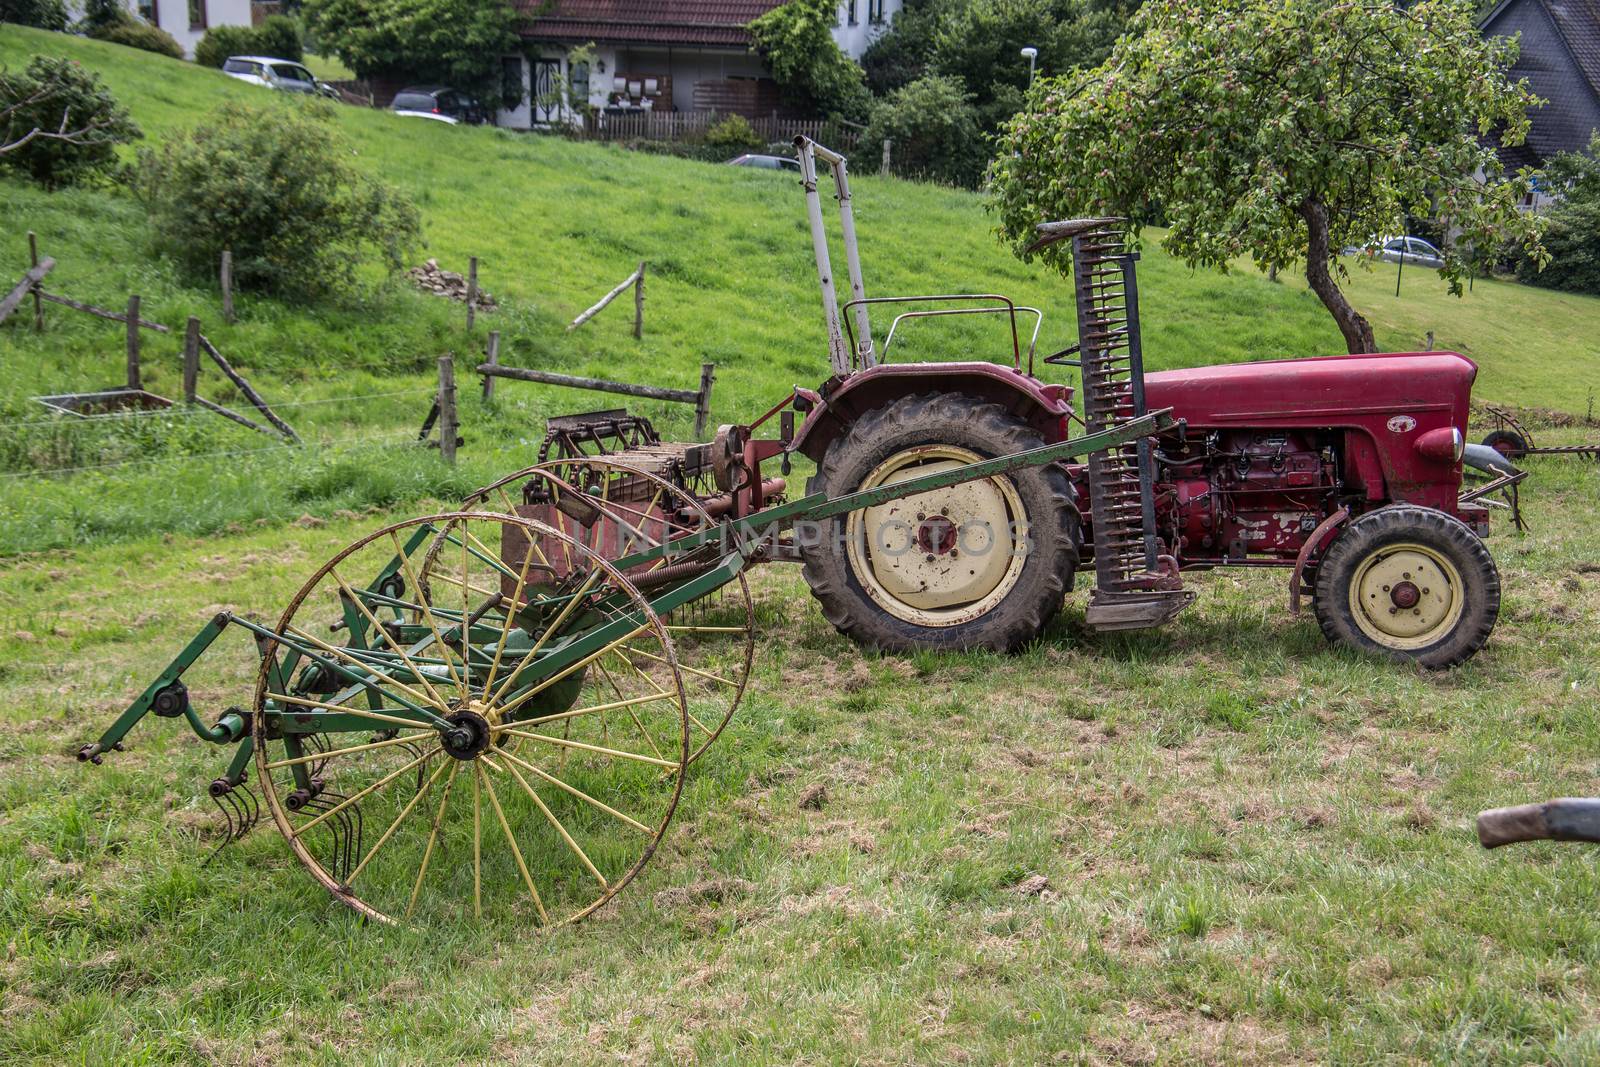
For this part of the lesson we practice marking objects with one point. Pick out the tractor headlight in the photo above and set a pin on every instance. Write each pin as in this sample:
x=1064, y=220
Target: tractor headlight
x=1446, y=444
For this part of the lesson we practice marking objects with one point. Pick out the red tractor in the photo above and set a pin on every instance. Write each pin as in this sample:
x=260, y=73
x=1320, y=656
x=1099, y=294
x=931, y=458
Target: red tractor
x=1345, y=471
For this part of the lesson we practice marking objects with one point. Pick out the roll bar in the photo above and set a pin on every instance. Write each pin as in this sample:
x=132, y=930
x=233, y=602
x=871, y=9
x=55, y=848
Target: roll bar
x=839, y=354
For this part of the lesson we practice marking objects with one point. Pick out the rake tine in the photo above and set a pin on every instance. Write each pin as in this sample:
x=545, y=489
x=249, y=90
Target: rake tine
x=227, y=819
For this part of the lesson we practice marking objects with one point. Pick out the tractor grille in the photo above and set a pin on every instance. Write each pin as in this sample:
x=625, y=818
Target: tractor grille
x=1120, y=496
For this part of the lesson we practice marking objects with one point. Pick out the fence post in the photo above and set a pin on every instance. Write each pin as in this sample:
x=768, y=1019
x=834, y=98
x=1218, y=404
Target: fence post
x=472, y=291
x=1430, y=342
x=447, y=409
x=492, y=357
x=638, y=304
x=191, y=359
x=133, y=342
x=884, y=170
x=227, y=286
x=702, y=401
x=38, y=304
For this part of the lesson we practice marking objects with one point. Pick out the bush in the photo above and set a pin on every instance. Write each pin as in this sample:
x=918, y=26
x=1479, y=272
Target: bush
x=1573, y=239
x=274, y=184
x=137, y=33
x=934, y=130
x=278, y=36
x=220, y=42
x=734, y=134
x=38, y=99
x=814, y=76
x=43, y=14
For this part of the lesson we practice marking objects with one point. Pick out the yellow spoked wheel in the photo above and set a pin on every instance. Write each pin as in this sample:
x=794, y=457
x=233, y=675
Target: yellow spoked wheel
x=1408, y=582
x=613, y=508
x=453, y=737
x=1406, y=596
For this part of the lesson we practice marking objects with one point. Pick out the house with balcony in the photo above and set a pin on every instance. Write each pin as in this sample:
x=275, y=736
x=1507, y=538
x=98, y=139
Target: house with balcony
x=654, y=56
x=1560, y=58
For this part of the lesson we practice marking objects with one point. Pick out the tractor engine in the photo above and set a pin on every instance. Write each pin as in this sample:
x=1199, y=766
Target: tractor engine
x=1239, y=493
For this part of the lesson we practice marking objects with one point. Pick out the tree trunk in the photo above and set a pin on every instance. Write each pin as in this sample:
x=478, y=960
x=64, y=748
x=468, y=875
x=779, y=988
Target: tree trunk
x=1357, y=330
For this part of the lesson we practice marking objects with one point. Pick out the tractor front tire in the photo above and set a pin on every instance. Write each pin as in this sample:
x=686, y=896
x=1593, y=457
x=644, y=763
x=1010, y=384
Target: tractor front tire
x=1411, y=583
x=981, y=564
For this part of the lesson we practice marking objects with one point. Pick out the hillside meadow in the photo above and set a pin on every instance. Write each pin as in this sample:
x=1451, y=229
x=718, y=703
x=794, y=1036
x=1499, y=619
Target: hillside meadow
x=1219, y=842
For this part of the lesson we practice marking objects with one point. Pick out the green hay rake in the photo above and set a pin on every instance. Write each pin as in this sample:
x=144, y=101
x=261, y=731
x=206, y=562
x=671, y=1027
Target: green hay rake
x=494, y=708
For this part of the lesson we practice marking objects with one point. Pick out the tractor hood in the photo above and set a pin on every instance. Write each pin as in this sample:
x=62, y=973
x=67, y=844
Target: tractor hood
x=1376, y=391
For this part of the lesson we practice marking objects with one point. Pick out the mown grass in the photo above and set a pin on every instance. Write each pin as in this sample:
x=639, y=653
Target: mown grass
x=1255, y=848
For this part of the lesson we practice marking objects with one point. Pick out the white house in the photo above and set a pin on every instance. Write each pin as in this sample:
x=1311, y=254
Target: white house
x=656, y=55
x=188, y=20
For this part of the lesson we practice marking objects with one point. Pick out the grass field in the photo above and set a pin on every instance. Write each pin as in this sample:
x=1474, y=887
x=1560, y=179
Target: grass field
x=1255, y=848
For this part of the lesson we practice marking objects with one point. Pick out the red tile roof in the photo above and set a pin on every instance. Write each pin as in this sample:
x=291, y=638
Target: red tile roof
x=707, y=23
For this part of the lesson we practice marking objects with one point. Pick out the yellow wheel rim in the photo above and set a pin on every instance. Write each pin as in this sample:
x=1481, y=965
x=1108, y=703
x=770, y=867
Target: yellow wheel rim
x=1406, y=596
x=943, y=557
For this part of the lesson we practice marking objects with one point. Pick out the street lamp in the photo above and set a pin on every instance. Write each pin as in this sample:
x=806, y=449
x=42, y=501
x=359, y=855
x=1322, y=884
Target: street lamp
x=1030, y=54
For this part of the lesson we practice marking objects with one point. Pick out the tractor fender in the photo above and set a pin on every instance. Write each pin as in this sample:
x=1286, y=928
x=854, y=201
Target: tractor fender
x=844, y=400
x=1324, y=532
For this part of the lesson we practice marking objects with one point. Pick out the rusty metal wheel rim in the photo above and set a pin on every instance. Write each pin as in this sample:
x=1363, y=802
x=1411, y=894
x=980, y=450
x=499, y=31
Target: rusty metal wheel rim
x=504, y=758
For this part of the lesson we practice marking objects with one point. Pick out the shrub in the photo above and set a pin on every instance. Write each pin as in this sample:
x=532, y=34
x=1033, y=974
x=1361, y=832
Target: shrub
x=220, y=42
x=137, y=33
x=1573, y=237
x=934, y=130
x=274, y=184
x=43, y=14
x=734, y=134
x=796, y=40
x=55, y=94
x=278, y=36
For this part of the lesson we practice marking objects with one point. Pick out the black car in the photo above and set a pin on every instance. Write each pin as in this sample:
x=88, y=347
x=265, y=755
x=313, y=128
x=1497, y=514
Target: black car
x=441, y=103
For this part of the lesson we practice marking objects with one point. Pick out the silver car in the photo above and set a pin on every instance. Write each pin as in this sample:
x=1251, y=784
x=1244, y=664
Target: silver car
x=1413, y=251
x=284, y=75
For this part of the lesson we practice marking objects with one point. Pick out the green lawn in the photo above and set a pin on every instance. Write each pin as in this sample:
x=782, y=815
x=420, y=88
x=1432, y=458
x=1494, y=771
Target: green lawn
x=1256, y=849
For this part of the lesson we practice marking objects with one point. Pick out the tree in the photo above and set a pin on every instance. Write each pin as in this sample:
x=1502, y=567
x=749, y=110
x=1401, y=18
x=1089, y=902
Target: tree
x=796, y=39
x=934, y=131
x=1279, y=129
x=454, y=42
x=59, y=125
x=1573, y=239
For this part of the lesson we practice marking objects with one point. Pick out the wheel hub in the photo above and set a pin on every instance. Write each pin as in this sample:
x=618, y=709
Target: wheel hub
x=469, y=737
x=942, y=557
x=1406, y=596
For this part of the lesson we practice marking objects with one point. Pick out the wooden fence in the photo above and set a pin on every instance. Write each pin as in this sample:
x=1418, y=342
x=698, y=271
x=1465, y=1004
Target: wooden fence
x=693, y=126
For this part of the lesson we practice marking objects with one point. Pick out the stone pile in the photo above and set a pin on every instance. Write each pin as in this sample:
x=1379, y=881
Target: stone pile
x=447, y=283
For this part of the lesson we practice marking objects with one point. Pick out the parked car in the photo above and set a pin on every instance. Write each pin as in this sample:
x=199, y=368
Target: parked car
x=766, y=162
x=1413, y=250
x=284, y=75
x=440, y=103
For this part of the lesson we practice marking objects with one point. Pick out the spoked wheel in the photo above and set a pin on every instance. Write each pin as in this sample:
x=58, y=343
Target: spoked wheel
x=614, y=509
x=458, y=739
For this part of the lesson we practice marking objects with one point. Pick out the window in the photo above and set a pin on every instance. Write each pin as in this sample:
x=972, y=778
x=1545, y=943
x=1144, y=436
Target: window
x=875, y=12
x=148, y=12
x=197, y=14
x=578, y=82
x=850, y=11
x=512, y=92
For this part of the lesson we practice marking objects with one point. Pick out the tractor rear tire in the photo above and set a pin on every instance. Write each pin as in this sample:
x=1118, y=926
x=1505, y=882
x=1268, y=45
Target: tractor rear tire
x=1509, y=443
x=1411, y=583
x=906, y=575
